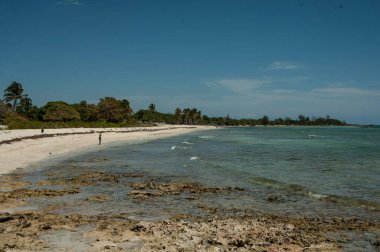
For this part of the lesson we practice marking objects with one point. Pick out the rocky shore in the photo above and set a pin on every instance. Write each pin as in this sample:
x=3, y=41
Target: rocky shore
x=228, y=230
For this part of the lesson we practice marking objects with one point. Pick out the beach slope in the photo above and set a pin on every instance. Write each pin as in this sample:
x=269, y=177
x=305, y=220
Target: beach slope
x=21, y=148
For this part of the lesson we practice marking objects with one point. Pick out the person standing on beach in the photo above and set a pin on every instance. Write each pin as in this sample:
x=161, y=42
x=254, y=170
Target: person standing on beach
x=100, y=138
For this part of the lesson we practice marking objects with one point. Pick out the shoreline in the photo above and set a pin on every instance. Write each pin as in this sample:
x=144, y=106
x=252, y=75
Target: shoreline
x=22, y=148
x=71, y=207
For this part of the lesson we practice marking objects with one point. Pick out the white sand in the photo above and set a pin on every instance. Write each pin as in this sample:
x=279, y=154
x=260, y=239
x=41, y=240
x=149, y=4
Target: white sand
x=26, y=152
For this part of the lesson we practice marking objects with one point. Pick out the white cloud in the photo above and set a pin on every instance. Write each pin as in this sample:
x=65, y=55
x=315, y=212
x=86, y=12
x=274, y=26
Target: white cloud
x=282, y=65
x=240, y=86
x=70, y=2
x=265, y=96
x=257, y=97
x=346, y=91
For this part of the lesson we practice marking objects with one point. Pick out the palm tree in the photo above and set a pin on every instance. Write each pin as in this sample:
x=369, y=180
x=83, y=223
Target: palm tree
x=197, y=116
x=265, y=120
x=178, y=115
x=186, y=115
x=14, y=92
x=25, y=107
x=152, y=109
x=192, y=114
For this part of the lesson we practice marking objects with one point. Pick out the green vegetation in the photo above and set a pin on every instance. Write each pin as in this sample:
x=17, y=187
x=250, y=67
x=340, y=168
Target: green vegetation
x=265, y=121
x=113, y=110
x=18, y=112
x=14, y=93
x=87, y=112
x=58, y=111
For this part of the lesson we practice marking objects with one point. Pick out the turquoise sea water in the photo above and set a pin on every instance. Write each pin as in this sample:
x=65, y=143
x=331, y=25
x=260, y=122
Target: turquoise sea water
x=302, y=171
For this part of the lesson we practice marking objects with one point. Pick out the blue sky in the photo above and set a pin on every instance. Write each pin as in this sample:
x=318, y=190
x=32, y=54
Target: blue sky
x=245, y=58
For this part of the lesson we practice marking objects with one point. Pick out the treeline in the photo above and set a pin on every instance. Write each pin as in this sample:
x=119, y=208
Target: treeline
x=194, y=117
x=187, y=116
x=17, y=111
x=287, y=121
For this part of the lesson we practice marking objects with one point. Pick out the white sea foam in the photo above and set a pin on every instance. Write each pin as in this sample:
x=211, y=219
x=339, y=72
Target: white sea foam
x=194, y=158
x=312, y=135
x=316, y=195
x=180, y=147
x=186, y=142
x=315, y=136
x=206, y=137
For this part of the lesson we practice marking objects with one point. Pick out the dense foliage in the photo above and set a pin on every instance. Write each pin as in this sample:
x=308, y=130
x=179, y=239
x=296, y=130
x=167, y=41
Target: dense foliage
x=58, y=111
x=287, y=121
x=112, y=110
x=88, y=112
x=18, y=111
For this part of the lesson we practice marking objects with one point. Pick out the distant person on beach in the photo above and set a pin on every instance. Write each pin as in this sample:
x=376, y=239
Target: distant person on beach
x=42, y=131
x=100, y=138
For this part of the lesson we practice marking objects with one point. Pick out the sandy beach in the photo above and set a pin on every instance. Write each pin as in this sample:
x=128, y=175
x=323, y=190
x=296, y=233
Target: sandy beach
x=20, y=148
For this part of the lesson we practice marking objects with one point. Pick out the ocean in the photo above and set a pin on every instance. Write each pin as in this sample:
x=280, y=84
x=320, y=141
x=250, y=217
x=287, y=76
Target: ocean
x=295, y=171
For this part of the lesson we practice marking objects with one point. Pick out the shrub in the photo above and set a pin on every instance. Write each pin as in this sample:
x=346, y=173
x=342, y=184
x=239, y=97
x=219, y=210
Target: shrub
x=59, y=111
